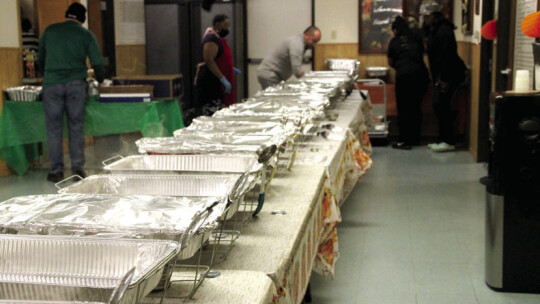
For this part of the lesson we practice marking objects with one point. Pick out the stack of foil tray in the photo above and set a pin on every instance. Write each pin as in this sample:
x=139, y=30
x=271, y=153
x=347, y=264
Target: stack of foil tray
x=59, y=269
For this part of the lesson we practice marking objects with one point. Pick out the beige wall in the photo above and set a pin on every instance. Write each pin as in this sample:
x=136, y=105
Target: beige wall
x=9, y=24
x=338, y=20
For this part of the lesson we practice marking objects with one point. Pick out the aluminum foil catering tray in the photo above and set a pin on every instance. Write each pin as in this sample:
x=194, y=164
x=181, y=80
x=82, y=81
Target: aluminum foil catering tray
x=166, y=185
x=344, y=64
x=231, y=138
x=137, y=216
x=54, y=269
x=173, y=145
x=302, y=104
x=238, y=127
x=175, y=164
x=24, y=93
x=224, y=187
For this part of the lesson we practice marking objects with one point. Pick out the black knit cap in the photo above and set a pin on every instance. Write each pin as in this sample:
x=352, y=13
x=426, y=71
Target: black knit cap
x=76, y=11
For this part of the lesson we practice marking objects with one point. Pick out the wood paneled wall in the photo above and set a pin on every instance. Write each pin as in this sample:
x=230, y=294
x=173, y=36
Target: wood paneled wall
x=11, y=72
x=131, y=59
x=10, y=75
x=468, y=51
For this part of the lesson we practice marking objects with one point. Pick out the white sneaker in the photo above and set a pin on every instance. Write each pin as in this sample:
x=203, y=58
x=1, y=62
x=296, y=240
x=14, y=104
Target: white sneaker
x=443, y=147
x=432, y=145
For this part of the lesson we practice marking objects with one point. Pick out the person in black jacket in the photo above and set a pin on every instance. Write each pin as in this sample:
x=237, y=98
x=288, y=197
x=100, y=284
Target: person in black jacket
x=405, y=55
x=447, y=72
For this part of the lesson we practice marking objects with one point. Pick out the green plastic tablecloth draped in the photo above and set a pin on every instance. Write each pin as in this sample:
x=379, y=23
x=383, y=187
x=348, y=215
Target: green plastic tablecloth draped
x=23, y=123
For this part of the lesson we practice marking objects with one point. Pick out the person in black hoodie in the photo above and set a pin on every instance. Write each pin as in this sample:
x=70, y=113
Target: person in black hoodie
x=405, y=55
x=447, y=72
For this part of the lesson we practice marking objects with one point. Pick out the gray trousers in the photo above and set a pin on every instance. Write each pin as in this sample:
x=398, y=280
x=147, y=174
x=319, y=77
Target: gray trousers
x=66, y=98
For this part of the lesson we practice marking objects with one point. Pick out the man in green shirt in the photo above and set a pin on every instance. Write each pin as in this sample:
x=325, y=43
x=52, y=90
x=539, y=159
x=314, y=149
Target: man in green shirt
x=63, y=50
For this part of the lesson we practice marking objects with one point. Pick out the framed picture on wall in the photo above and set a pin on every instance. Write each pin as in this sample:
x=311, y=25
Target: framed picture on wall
x=375, y=22
x=467, y=16
x=411, y=10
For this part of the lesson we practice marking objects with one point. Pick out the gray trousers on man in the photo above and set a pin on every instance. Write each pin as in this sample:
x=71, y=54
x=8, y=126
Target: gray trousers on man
x=66, y=98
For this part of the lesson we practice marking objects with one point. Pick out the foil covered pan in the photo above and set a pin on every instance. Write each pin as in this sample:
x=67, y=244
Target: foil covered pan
x=237, y=127
x=305, y=105
x=52, y=269
x=173, y=145
x=175, y=164
x=351, y=66
x=136, y=216
x=189, y=186
x=160, y=185
x=230, y=138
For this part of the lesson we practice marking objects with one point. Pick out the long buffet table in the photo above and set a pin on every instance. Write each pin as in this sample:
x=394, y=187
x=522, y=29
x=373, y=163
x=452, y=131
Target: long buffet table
x=287, y=247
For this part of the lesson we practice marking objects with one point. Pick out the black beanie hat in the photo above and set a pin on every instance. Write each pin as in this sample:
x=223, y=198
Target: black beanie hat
x=76, y=11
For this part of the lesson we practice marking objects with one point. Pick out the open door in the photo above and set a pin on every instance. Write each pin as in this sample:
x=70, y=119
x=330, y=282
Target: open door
x=48, y=12
x=268, y=23
x=101, y=23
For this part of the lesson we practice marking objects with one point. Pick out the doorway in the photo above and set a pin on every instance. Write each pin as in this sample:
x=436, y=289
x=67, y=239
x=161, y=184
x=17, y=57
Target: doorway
x=101, y=23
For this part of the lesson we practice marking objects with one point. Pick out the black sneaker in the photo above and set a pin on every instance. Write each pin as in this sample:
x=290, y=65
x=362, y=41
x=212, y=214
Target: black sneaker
x=79, y=172
x=55, y=177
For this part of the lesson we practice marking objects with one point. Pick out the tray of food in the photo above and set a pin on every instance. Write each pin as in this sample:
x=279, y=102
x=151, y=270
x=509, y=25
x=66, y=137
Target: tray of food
x=223, y=186
x=61, y=269
x=110, y=216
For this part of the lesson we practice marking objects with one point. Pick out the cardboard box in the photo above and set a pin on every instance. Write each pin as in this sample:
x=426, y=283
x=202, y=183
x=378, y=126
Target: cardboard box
x=129, y=89
x=165, y=86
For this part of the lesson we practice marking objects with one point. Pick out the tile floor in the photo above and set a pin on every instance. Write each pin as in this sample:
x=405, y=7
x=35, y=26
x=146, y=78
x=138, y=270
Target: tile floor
x=413, y=233
x=412, y=230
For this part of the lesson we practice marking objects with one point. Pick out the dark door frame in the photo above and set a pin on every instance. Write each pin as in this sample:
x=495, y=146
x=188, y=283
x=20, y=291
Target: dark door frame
x=486, y=57
x=505, y=45
x=504, y=60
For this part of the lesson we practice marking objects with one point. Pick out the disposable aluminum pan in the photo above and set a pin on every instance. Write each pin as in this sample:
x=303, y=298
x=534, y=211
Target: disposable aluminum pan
x=109, y=216
x=222, y=186
x=240, y=114
x=172, y=145
x=53, y=269
x=343, y=64
x=239, y=127
x=231, y=138
x=175, y=164
x=377, y=71
x=24, y=93
x=301, y=104
x=187, y=164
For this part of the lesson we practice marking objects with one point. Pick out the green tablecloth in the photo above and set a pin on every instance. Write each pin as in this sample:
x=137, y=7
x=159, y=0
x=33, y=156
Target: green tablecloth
x=23, y=123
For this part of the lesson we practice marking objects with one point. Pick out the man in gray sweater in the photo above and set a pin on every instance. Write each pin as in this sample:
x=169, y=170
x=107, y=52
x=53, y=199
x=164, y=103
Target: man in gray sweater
x=286, y=59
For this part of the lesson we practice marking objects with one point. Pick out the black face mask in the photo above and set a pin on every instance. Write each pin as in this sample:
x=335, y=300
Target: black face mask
x=223, y=33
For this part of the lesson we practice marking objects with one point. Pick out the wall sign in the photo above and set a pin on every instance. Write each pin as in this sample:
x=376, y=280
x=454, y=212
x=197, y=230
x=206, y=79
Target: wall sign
x=375, y=20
